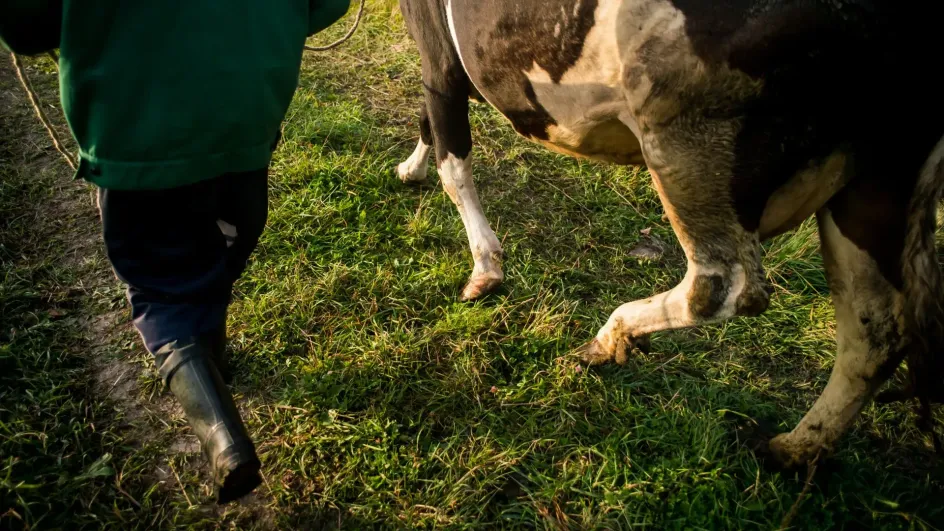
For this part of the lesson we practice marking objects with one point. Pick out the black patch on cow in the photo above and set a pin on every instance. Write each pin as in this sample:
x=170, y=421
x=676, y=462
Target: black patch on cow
x=837, y=75
x=522, y=35
x=791, y=126
x=426, y=134
x=754, y=300
x=533, y=122
x=449, y=118
x=444, y=80
x=510, y=38
x=707, y=295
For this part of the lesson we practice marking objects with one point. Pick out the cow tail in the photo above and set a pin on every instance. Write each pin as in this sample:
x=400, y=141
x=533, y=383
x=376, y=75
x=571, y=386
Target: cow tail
x=924, y=291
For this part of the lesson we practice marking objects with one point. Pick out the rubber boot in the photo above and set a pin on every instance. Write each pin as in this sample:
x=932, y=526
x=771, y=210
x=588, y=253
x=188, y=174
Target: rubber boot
x=190, y=373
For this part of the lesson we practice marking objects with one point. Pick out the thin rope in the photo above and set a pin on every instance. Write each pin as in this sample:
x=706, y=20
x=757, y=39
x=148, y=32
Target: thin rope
x=350, y=32
x=795, y=508
x=34, y=100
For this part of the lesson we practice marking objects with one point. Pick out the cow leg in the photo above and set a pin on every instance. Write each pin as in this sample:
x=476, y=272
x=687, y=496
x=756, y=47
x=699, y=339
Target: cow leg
x=452, y=138
x=446, y=88
x=868, y=337
x=456, y=176
x=871, y=267
x=724, y=276
x=413, y=169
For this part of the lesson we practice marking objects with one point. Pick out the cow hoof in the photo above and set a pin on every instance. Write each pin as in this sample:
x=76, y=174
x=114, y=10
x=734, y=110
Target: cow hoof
x=480, y=286
x=595, y=353
x=411, y=173
x=789, y=454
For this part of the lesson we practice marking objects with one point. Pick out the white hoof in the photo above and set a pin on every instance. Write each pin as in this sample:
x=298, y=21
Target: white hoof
x=410, y=172
x=413, y=169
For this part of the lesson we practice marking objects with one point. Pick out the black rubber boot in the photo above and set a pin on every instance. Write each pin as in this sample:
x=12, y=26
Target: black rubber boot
x=190, y=373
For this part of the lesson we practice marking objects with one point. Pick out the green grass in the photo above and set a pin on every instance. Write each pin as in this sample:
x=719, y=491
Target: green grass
x=379, y=400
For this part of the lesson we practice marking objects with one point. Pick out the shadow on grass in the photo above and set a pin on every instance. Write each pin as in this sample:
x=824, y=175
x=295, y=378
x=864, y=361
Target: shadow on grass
x=411, y=408
x=663, y=438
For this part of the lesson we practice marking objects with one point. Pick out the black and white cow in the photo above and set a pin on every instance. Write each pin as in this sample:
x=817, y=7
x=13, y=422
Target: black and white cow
x=751, y=115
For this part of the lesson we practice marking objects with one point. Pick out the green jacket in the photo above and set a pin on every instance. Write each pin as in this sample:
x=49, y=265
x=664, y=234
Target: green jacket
x=161, y=94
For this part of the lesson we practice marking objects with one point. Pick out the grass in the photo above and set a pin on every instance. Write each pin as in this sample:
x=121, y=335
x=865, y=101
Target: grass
x=379, y=400
x=65, y=458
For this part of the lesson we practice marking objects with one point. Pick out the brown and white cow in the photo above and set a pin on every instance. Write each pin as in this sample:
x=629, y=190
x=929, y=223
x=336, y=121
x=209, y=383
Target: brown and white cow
x=751, y=115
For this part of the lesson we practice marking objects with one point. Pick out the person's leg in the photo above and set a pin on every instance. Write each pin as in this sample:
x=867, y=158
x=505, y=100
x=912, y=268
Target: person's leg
x=167, y=247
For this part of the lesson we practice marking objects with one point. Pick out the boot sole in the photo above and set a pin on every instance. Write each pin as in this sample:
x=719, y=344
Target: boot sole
x=239, y=482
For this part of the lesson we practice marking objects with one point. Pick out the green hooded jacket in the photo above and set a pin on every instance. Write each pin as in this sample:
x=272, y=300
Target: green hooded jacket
x=165, y=94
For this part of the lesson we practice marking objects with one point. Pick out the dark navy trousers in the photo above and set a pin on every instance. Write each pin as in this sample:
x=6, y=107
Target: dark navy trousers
x=170, y=248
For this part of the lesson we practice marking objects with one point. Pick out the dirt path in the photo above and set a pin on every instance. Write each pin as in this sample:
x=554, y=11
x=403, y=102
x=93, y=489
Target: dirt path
x=155, y=461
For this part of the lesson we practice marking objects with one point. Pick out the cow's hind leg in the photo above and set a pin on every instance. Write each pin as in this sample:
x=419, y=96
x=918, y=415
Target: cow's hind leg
x=870, y=346
x=413, y=169
x=880, y=255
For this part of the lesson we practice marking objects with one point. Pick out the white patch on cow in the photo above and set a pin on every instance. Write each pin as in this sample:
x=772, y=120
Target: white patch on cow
x=670, y=310
x=640, y=21
x=589, y=103
x=413, y=169
x=456, y=175
x=600, y=68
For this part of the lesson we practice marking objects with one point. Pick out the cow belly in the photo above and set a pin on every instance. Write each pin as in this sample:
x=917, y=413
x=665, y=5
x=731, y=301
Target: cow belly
x=582, y=119
x=579, y=119
x=607, y=141
x=801, y=196
x=553, y=68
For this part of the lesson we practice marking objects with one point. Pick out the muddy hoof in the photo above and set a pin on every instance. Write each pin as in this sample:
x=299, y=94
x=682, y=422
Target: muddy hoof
x=786, y=454
x=593, y=353
x=411, y=174
x=479, y=287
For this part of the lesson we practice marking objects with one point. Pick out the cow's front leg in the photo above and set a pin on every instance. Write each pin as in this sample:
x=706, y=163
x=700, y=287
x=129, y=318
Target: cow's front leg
x=413, y=169
x=448, y=107
x=724, y=277
x=708, y=293
x=456, y=175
